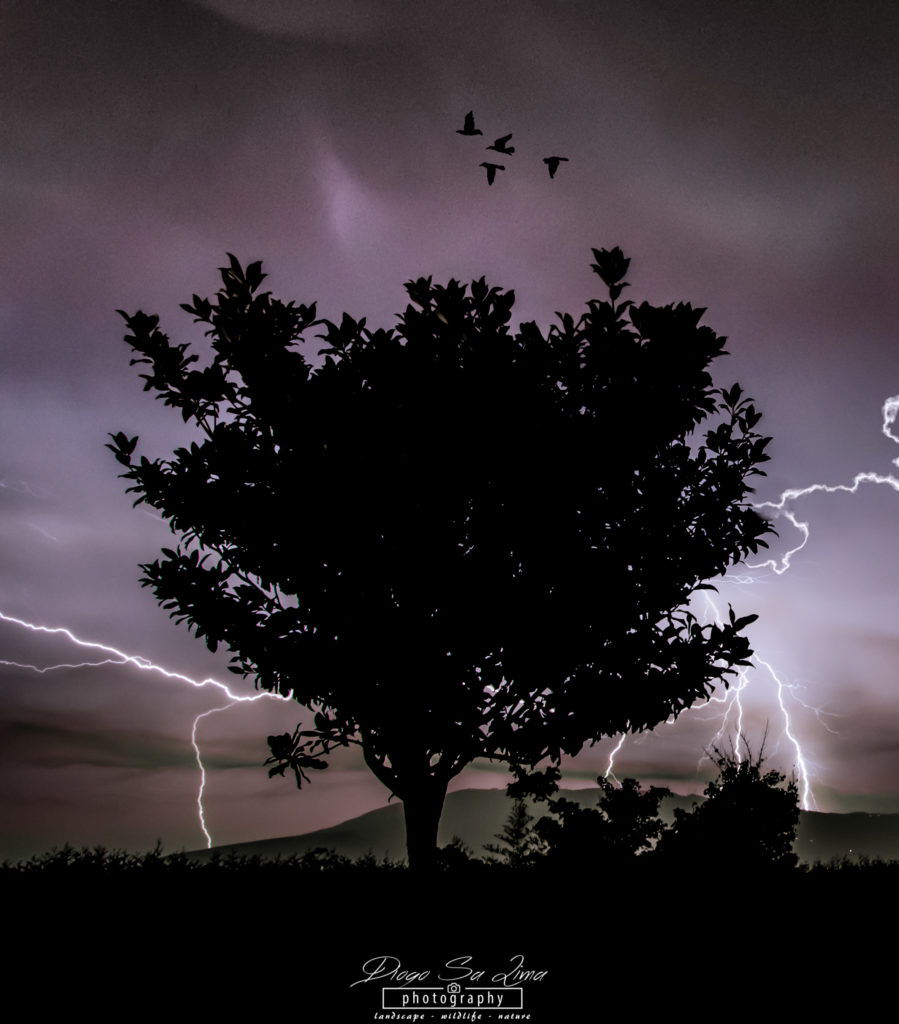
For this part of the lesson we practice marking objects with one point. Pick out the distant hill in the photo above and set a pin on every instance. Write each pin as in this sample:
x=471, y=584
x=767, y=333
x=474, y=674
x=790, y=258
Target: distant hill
x=825, y=836
x=476, y=815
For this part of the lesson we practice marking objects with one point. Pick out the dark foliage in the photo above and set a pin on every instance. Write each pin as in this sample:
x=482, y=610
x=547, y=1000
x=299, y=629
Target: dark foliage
x=214, y=939
x=519, y=844
x=451, y=540
x=98, y=862
x=625, y=824
x=746, y=824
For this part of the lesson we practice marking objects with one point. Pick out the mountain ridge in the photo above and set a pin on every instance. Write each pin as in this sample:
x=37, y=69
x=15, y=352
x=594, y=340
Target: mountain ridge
x=477, y=815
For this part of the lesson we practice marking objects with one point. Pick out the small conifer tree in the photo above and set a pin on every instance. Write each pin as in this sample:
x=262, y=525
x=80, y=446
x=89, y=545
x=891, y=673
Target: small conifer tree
x=521, y=846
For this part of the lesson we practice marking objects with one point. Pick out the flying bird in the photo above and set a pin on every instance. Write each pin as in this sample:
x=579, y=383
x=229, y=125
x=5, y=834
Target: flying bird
x=500, y=145
x=552, y=162
x=491, y=171
x=469, y=128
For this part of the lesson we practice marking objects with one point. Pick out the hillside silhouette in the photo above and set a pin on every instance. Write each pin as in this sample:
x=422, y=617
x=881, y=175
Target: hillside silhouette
x=476, y=815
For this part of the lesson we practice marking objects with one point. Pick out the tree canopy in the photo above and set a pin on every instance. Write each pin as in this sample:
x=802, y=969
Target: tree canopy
x=449, y=539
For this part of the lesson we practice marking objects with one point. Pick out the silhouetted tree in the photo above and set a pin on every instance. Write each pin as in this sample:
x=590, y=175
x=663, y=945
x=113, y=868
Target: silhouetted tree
x=747, y=822
x=625, y=823
x=449, y=540
x=519, y=845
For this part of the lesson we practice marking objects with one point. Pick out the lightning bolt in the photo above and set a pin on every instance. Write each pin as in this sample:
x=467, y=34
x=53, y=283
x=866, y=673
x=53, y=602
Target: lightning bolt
x=732, y=700
x=733, y=709
x=889, y=411
x=610, y=769
x=807, y=800
x=117, y=657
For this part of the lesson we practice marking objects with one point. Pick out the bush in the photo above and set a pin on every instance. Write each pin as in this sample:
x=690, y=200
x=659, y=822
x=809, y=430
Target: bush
x=748, y=821
x=625, y=824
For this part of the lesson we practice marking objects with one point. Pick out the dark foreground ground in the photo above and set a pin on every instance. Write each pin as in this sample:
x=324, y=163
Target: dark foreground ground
x=368, y=944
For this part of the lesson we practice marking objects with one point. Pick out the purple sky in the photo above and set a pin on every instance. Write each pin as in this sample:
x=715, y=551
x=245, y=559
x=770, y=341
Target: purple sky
x=746, y=156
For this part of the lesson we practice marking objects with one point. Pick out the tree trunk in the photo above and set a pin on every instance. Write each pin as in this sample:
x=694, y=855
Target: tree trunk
x=422, y=807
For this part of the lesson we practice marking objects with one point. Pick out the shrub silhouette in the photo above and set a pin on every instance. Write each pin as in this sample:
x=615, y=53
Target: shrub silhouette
x=747, y=822
x=451, y=540
x=626, y=823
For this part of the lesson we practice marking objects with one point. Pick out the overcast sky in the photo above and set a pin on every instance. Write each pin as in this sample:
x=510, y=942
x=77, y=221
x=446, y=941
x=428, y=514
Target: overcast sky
x=745, y=155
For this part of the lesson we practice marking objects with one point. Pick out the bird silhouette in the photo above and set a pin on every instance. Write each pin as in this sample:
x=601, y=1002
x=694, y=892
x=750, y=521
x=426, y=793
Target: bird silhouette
x=491, y=171
x=500, y=145
x=552, y=162
x=469, y=128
